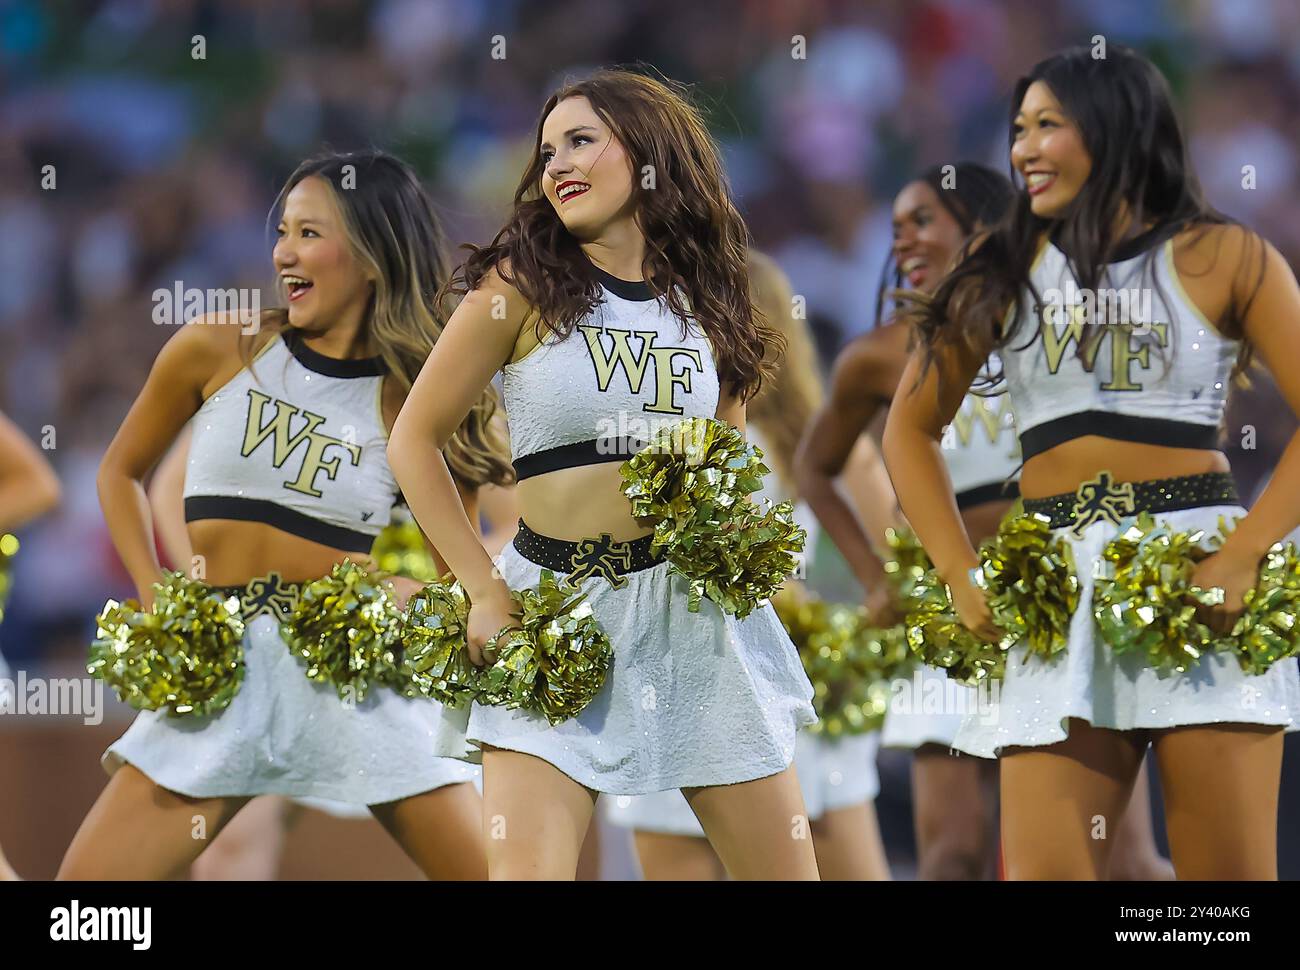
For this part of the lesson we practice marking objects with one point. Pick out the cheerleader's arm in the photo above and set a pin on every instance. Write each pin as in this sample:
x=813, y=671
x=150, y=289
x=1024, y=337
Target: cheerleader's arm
x=28, y=486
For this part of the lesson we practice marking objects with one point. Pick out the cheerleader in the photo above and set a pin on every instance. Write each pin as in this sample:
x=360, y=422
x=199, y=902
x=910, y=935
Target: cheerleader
x=28, y=489
x=1117, y=414
x=616, y=294
x=837, y=776
x=287, y=476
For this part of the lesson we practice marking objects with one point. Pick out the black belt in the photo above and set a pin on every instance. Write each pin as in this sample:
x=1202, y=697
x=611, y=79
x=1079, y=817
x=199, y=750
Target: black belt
x=267, y=594
x=1104, y=500
x=587, y=557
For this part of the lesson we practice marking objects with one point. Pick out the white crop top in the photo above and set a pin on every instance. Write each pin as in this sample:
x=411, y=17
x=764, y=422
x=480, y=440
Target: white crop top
x=624, y=373
x=1162, y=378
x=980, y=447
x=296, y=441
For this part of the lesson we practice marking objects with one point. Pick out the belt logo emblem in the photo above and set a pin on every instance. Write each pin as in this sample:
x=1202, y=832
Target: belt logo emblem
x=1101, y=500
x=267, y=595
x=601, y=557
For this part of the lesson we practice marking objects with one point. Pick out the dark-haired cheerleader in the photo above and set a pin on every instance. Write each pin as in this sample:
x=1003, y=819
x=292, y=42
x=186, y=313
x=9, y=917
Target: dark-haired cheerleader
x=286, y=477
x=1118, y=302
x=615, y=300
x=28, y=489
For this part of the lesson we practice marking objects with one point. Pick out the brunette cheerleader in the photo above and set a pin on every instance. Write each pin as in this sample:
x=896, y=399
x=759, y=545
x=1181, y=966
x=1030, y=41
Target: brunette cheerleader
x=286, y=477
x=616, y=294
x=1118, y=414
x=28, y=490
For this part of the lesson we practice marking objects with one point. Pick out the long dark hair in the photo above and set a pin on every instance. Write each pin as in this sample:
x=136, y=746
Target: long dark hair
x=696, y=241
x=1140, y=170
x=973, y=194
x=394, y=232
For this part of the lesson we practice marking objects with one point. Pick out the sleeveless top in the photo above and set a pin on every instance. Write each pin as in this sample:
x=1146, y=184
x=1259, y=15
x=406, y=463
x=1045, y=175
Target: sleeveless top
x=629, y=369
x=296, y=441
x=980, y=447
x=1158, y=374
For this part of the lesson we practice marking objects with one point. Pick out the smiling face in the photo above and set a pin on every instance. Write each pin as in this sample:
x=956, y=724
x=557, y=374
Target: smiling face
x=926, y=236
x=588, y=173
x=322, y=276
x=1048, y=151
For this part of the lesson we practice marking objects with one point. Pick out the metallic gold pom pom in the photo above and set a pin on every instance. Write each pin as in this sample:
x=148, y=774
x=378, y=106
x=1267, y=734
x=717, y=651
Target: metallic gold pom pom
x=939, y=638
x=849, y=663
x=346, y=629
x=907, y=563
x=8, y=548
x=1031, y=583
x=553, y=666
x=185, y=655
x=691, y=482
x=400, y=550
x=1143, y=600
x=1267, y=631
x=435, y=660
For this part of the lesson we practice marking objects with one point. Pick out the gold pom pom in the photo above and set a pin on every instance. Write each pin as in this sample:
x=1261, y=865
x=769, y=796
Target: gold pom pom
x=400, y=550
x=185, y=655
x=907, y=563
x=553, y=666
x=346, y=630
x=938, y=637
x=691, y=482
x=1030, y=580
x=435, y=660
x=1267, y=631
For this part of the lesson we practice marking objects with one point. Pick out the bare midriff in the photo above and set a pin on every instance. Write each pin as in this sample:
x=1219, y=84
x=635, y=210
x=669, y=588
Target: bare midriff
x=1067, y=465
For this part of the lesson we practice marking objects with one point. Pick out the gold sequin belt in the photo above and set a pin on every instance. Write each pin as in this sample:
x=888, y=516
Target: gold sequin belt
x=1102, y=499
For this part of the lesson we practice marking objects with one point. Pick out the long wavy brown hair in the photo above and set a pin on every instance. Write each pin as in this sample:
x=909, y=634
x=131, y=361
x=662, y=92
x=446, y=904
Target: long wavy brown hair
x=696, y=241
x=395, y=233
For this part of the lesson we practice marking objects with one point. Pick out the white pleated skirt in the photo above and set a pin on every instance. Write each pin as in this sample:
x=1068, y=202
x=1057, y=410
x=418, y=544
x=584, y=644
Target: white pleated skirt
x=690, y=700
x=1036, y=699
x=833, y=774
x=284, y=735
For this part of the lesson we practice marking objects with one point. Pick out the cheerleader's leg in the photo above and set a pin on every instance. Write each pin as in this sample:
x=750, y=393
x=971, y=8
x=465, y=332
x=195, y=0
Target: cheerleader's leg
x=535, y=817
x=1062, y=803
x=139, y=830
x=677, y=858
x=441, y=830
x=953, y=799
x=1220, y=784
x=759, y=828
x=7, y=873
x=249, y=848
x=848, y=844
x=1135, y=857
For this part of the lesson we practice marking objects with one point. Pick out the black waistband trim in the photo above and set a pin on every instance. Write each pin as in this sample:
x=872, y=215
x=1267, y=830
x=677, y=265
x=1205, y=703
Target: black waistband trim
x=587, y=557
x=1104, y=500
x=332, y=366
x=992, y=492
x=1122, y=427
x=198, y=507
x=591, y=452
x=267, y=594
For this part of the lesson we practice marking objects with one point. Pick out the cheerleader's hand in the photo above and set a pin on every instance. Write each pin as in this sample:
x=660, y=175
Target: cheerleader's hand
x=488, y=616
x=401, y=589
x=1235, y=575
x=973, y=609
x=882, y=611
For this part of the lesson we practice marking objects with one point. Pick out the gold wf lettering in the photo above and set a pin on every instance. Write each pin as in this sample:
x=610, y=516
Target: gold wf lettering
x=634, y=365
x=284, y=441
x=1123, y=352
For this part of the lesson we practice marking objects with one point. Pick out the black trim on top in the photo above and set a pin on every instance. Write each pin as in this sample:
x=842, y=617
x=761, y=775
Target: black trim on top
x=592, y=452
x=1121, y=427
x=332, y=366
x=637, y=290
x=277, y=516
x=992, y=492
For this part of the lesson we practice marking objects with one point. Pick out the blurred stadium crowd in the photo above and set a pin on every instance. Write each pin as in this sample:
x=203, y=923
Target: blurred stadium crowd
x=165, y=162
